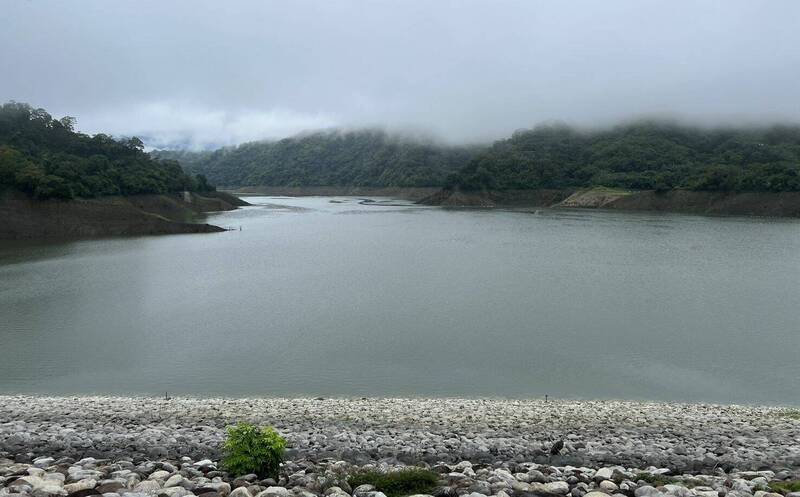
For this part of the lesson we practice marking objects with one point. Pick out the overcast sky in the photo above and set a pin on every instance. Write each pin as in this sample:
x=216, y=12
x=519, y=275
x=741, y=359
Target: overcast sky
x=223, y=72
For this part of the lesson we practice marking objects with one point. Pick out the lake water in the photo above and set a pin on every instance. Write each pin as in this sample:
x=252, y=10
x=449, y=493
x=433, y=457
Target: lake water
x=331, y=296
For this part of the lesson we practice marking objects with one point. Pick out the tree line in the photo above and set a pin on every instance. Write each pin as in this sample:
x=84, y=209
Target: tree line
x=46, y=158
x=645, y=155
x=368, y=157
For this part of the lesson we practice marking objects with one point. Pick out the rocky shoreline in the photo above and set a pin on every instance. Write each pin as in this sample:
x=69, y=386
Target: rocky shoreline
x=66, y=477
x=150, y=447
x=706, y=203
x=683, y=437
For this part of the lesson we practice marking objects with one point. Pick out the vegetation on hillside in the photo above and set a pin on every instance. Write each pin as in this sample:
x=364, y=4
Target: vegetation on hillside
x=644, y=156
x=45, y=158
x=330, y=158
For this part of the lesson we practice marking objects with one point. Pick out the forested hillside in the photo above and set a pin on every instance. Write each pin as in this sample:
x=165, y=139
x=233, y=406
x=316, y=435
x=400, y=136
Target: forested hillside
x=643, y=156
x=646, y=155
x=332, y=158
x=45, y=158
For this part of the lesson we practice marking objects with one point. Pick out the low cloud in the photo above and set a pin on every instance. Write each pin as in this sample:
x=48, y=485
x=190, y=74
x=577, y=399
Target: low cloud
x=172, y=125
x=205, y=72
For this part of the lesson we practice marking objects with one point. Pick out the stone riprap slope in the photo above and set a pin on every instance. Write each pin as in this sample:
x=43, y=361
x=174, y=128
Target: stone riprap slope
x=682, y=437
x=66, y=477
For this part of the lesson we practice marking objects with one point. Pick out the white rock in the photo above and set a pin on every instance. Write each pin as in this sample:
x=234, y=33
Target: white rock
x=603, y=474
x=505, y=476
x=557, y=487
x=43, y=462
x=522, y=487
x=221, y=487
x=173, y=481
x=84, y=484
x=240, y=492
x=276, y=492
x=174, y=492
x=147, y=487
x=359, y=491
x=159, y=475
x=646, y=491
x=608, y=486
x=678, y=490
x=57, y=478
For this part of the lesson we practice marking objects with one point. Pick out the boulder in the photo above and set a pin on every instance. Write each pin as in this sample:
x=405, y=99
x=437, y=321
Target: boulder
x=240, y=492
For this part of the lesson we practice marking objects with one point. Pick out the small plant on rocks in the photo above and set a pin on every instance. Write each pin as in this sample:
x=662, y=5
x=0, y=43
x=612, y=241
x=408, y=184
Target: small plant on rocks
x=785, y=487
x=655, y=480
x=253, y=449
x=397, y=483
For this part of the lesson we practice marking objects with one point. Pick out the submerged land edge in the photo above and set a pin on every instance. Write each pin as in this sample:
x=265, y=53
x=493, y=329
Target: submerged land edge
x=22, y=217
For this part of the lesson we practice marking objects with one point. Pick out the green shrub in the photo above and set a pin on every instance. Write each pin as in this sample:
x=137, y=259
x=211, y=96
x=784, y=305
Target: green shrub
x=253, y=449
x=790, y=413
x=655, y=480
x=397, y=483
x=785, y=487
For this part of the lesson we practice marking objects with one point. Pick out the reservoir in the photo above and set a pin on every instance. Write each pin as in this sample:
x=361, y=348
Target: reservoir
x=344, y=296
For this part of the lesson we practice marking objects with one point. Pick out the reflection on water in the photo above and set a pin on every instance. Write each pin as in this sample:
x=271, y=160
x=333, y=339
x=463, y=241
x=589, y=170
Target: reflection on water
x=342, y=296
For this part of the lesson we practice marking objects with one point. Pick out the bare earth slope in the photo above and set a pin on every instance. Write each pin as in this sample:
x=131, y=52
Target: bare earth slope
x=783, y=204
x=24, y=218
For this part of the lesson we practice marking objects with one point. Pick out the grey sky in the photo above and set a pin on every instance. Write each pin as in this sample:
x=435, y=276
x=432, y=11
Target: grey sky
x=229, y=71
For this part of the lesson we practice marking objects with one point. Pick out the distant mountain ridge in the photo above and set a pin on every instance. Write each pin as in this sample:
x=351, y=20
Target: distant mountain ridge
x=643, y=155
x=368, y=158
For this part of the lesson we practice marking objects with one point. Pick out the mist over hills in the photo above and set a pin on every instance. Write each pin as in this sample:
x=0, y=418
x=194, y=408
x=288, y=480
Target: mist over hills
x=641, y=155
x=367, y=157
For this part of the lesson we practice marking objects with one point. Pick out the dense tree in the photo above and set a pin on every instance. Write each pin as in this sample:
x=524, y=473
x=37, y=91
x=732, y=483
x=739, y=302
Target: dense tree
x=332, y=158
x=46, y=158
x=644, y=155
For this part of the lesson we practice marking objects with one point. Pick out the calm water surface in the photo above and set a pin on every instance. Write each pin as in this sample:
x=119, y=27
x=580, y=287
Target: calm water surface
x=329, y=296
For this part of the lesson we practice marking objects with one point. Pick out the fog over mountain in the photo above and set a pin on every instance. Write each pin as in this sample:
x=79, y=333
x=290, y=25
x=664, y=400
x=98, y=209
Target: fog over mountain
x=201, y=74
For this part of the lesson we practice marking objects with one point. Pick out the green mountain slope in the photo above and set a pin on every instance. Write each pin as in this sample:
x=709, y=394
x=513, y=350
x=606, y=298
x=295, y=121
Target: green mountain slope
x=45, y=158
x=643, y=155
x=331, y=158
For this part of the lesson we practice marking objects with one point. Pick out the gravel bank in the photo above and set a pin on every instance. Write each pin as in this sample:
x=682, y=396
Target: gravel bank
x=682, y=437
